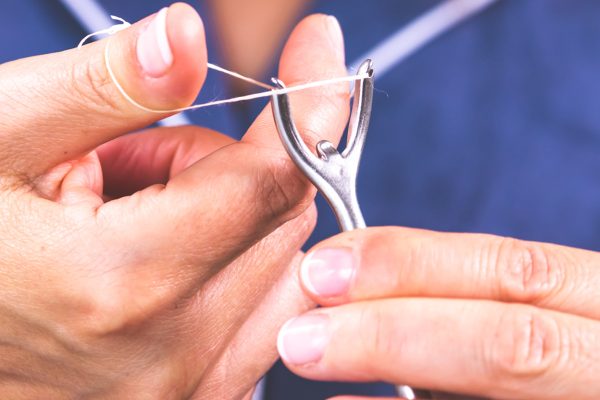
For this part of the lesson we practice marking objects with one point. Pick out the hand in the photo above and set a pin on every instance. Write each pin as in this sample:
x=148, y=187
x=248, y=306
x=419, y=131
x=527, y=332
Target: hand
x=157, y=265
x=462, y=313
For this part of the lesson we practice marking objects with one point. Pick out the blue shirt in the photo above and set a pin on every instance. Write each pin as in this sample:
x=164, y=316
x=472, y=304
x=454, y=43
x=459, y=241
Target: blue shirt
x=494, y=127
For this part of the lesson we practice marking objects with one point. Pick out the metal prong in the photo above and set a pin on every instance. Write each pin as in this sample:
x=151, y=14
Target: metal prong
x=288, y=133
x=333, y=174
x=361, y=112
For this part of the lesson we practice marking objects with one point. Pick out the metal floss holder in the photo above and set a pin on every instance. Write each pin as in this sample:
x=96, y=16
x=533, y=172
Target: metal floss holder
x=332, y=173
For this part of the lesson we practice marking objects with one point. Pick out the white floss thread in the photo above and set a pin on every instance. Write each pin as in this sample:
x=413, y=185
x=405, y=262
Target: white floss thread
x=272, y=90
x=108, y=31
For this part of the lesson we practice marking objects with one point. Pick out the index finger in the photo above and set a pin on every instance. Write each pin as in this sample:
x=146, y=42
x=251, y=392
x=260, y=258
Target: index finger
x=57, y=107
x=393, y=262
x=321, y=113
x=477, y=347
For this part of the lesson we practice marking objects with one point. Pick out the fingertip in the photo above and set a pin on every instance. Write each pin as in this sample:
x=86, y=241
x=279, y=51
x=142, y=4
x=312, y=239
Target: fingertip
x=83, y=183
x=327, y=274
x=319, y=39
x=280, y=340
x=305, y=277
x=161, y=62
x=315, y=51
x=187, y=38
x=302, y=341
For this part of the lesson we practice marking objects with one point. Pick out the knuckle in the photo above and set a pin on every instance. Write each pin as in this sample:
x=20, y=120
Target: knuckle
x=526, y=271
x=98, y=314
x=93, y=86
x=114, y=309
x=526, y=344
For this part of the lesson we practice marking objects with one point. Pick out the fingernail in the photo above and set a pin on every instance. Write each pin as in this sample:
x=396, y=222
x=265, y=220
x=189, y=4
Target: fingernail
x=153, y=49
x=336, y=35
x=327, y=272
x=303, y=340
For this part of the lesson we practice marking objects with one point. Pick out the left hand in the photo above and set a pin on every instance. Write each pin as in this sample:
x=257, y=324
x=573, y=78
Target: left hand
x=154, y=265
x=462, y=313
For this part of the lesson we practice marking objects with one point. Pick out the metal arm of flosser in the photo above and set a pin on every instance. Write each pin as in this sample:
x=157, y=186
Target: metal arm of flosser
x=333, y=173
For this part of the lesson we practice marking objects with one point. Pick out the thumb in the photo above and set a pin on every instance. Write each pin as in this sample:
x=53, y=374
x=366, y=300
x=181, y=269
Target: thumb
x=160, y=62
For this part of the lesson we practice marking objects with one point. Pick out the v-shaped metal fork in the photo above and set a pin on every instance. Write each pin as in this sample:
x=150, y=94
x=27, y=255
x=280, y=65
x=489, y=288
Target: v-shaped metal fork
x=333, y=173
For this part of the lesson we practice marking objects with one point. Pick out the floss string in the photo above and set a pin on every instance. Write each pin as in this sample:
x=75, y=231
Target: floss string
x=108, y=31
x=272, y=90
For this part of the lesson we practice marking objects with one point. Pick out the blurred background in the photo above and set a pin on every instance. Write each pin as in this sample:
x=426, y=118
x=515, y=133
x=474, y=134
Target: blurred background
x=494, y=126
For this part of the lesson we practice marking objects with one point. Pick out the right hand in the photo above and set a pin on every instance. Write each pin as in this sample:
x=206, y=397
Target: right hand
x=176, y=286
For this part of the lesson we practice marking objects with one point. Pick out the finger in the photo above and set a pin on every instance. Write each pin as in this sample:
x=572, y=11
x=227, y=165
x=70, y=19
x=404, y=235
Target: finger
x=267, y=294
x=270, y=190
x=320, y=113
x=73, y=182
x=391, y=262
x=225, y=203
x=128, y=164
x=61, y=106
x=253, y=274
x=83, y=183
x=255, y=340
x=499, y=350
x=134, y=162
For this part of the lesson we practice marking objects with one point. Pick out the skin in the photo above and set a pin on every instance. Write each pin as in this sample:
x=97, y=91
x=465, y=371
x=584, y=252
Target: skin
x=463, y=313
x=250, y=33
x=157, y=265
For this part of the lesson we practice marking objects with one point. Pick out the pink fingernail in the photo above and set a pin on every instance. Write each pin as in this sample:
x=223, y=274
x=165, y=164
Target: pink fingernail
x=153, y=50
x=327, y=272
x=303, y=340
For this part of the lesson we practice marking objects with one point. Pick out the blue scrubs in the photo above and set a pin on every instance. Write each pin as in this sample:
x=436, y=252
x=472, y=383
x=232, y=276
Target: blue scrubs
x=494, y=127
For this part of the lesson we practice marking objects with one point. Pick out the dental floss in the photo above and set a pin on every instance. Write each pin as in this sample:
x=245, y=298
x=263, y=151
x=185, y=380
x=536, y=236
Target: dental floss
x=272, y=90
